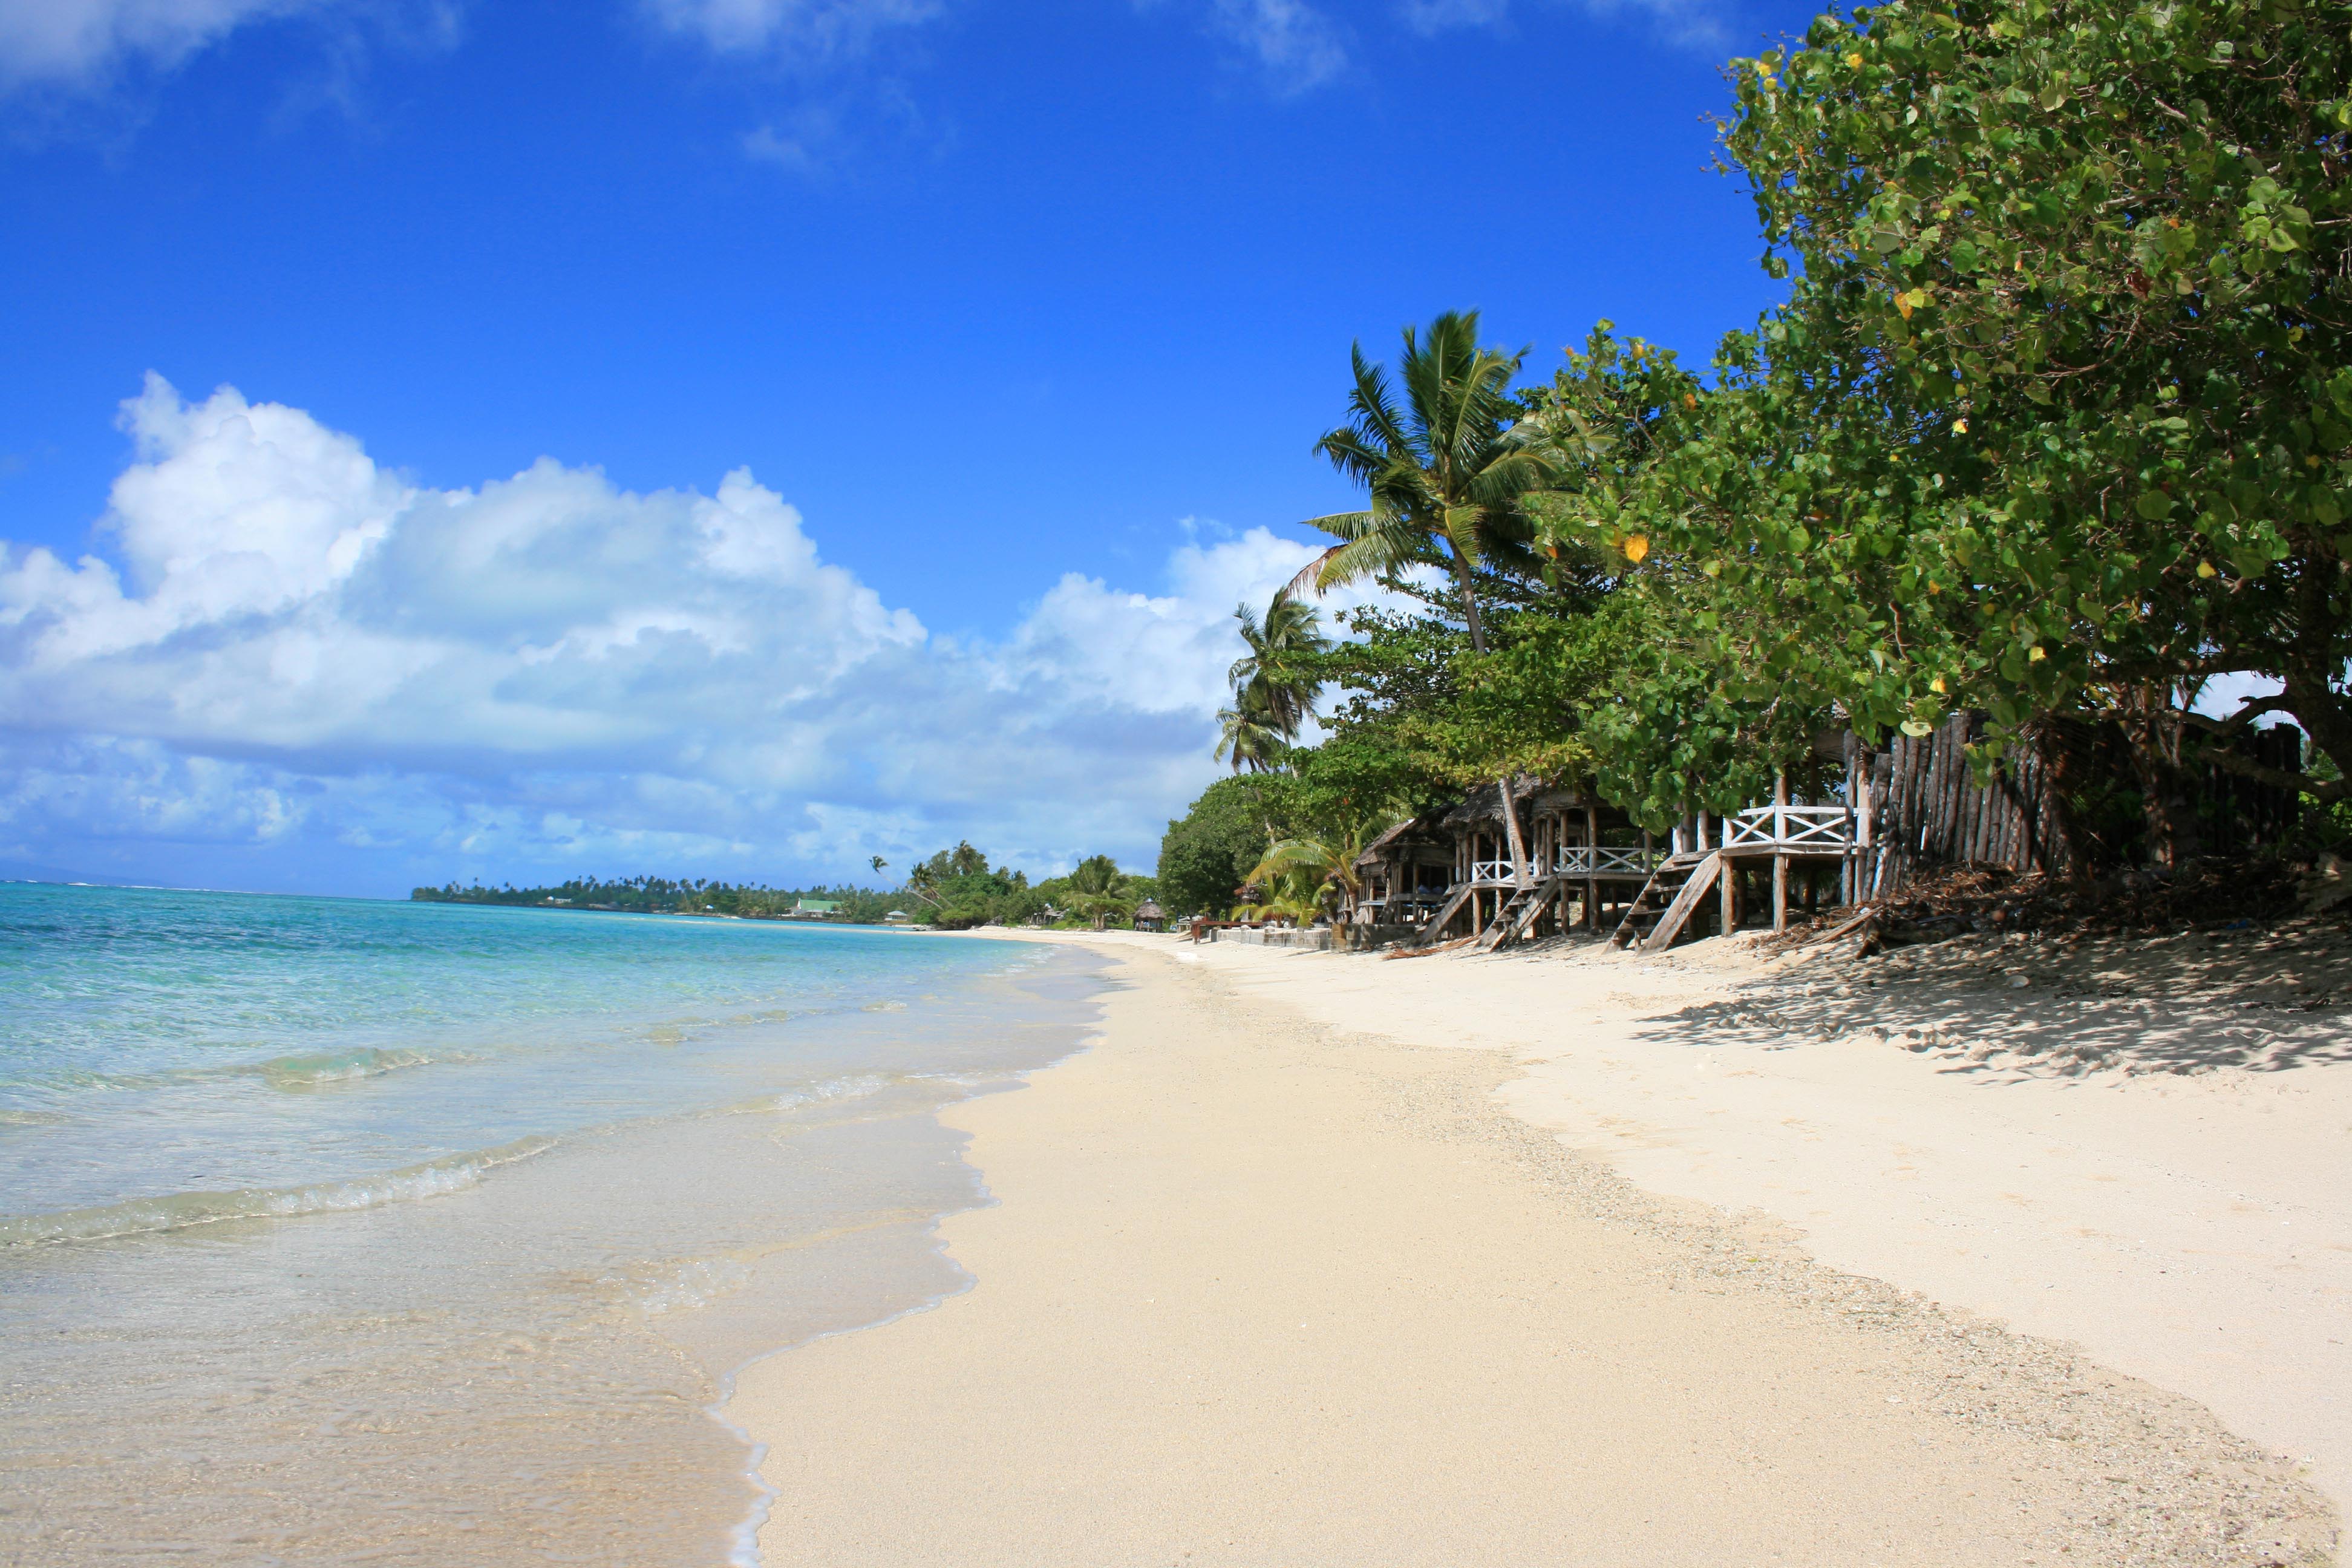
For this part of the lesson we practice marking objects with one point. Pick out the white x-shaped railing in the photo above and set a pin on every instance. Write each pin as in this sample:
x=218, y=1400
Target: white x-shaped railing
x=1604, y=861
x=1820, y=829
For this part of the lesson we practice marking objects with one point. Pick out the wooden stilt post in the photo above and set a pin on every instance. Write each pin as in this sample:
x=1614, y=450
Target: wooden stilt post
x=1862, y=870
x=1727, y=885
x=1781, y=857
x=1592, y=861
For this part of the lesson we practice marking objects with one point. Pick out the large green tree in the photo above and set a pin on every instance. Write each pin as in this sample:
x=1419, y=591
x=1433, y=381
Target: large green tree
x=2059, y=409
x=1206, y=856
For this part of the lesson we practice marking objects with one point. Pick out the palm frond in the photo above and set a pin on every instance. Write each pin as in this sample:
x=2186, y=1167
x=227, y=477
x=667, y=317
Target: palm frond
x=1385, y=551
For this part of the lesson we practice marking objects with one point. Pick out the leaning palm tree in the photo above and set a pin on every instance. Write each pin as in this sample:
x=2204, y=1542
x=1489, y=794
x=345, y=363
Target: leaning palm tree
x=1248, y=735
x=1445, y=481
x=1271, y=678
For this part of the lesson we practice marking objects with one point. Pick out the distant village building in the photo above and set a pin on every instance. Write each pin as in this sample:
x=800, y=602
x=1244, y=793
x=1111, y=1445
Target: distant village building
x=1149, y=916
x=897, y=918
x=814, y=909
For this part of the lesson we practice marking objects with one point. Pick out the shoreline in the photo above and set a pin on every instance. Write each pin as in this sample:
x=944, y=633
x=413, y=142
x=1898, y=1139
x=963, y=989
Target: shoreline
x=1034, y=1417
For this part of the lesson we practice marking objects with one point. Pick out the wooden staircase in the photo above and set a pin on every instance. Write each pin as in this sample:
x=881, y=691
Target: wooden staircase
x=1435, y=930
x=1667, y=900
x=1519, y=912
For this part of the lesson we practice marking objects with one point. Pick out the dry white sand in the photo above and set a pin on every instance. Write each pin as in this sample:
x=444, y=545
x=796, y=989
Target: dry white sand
x=1262, y=1291
x=2144, y=1149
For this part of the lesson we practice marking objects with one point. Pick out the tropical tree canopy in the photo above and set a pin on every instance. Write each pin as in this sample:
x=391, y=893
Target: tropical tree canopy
x=2061, y=403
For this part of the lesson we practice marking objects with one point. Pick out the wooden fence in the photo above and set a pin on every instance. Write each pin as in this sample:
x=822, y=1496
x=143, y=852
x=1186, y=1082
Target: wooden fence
x=1927, y=807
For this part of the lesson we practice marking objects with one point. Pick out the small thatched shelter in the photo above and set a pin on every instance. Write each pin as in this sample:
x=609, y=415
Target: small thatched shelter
x=1149, y=916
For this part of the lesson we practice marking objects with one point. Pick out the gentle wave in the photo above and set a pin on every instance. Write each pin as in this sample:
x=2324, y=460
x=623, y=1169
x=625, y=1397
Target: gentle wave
x=144, y=1217
x=299, y=1070
x=857, y=1087
x=683, y=1285
x=336, y=1066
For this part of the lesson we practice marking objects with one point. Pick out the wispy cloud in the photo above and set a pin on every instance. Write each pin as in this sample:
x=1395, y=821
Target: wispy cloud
x=805, y=31
x=72, y=42
x=90, y=67
x=1296, y=46
x=285, y=650
x=1694, y=23
x=798, y=151
x=1428, y=17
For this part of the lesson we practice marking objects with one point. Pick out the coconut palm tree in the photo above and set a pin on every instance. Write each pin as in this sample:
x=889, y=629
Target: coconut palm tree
x=1097, y=888
x=1327, y=865
x=1248, y=735
x=1445, y=481
x=1269, y=678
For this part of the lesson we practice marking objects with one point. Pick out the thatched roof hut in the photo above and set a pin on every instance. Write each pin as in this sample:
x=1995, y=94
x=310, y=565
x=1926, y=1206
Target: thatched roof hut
x=1149, y=916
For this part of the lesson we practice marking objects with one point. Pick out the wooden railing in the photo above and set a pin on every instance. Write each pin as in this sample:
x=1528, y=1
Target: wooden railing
x=1572, y=860
x=1604, y=861
x=1790, y=829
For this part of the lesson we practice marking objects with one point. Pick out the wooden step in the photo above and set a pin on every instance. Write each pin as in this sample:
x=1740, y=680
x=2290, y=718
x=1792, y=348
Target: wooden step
x=1525, y=906
x=1661, y=903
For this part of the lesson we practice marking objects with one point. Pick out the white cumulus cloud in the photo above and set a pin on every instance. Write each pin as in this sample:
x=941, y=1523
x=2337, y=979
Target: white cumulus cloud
x=278, y=642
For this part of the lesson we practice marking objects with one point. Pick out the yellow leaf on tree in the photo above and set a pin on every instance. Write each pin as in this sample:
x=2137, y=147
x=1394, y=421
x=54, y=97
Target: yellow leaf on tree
x=2205, y=569
x=1854, y=60
x=1637, y=545
x=1937, y=685
x=1959, y=426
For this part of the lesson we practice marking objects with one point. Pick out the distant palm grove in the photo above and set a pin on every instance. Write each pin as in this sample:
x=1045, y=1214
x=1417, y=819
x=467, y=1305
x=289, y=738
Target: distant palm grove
x=954, y=890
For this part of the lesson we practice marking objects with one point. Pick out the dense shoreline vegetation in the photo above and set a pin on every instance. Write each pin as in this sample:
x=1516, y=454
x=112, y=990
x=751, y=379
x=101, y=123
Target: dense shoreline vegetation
x=2053, y=425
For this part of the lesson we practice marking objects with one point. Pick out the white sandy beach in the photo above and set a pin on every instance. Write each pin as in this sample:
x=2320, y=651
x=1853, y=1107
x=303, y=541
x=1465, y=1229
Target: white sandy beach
x=1269, y=1279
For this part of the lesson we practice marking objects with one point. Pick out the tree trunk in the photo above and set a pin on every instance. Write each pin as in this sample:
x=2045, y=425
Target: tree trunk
x=2153, y=729
x=1502, y=786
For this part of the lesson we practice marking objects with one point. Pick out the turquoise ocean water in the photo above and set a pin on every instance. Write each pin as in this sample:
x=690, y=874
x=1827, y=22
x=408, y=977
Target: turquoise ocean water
x=340, y=1231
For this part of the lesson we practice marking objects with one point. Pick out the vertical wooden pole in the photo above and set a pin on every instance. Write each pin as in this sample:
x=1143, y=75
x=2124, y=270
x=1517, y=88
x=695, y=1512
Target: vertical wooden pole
x=1592, y=861
x=1862, y=834
x=1780, y=856
x=1727, y=886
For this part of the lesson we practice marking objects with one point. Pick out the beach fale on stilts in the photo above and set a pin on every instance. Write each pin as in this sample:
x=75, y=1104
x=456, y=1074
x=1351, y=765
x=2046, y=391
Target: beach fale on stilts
x=1449, y=872
x=1874, y=820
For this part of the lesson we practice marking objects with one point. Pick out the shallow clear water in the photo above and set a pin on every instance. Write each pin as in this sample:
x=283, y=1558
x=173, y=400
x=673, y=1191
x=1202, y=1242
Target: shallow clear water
x=335, y=1231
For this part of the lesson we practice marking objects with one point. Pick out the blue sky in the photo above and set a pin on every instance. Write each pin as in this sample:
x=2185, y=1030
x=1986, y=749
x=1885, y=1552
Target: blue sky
x=1013, y=324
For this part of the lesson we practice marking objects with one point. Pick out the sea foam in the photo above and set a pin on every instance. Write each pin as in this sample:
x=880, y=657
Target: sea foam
x=178, y=1211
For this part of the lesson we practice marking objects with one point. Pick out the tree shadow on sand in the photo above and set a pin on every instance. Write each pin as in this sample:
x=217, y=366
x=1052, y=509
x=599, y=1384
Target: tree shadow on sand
x=2011, y=1007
